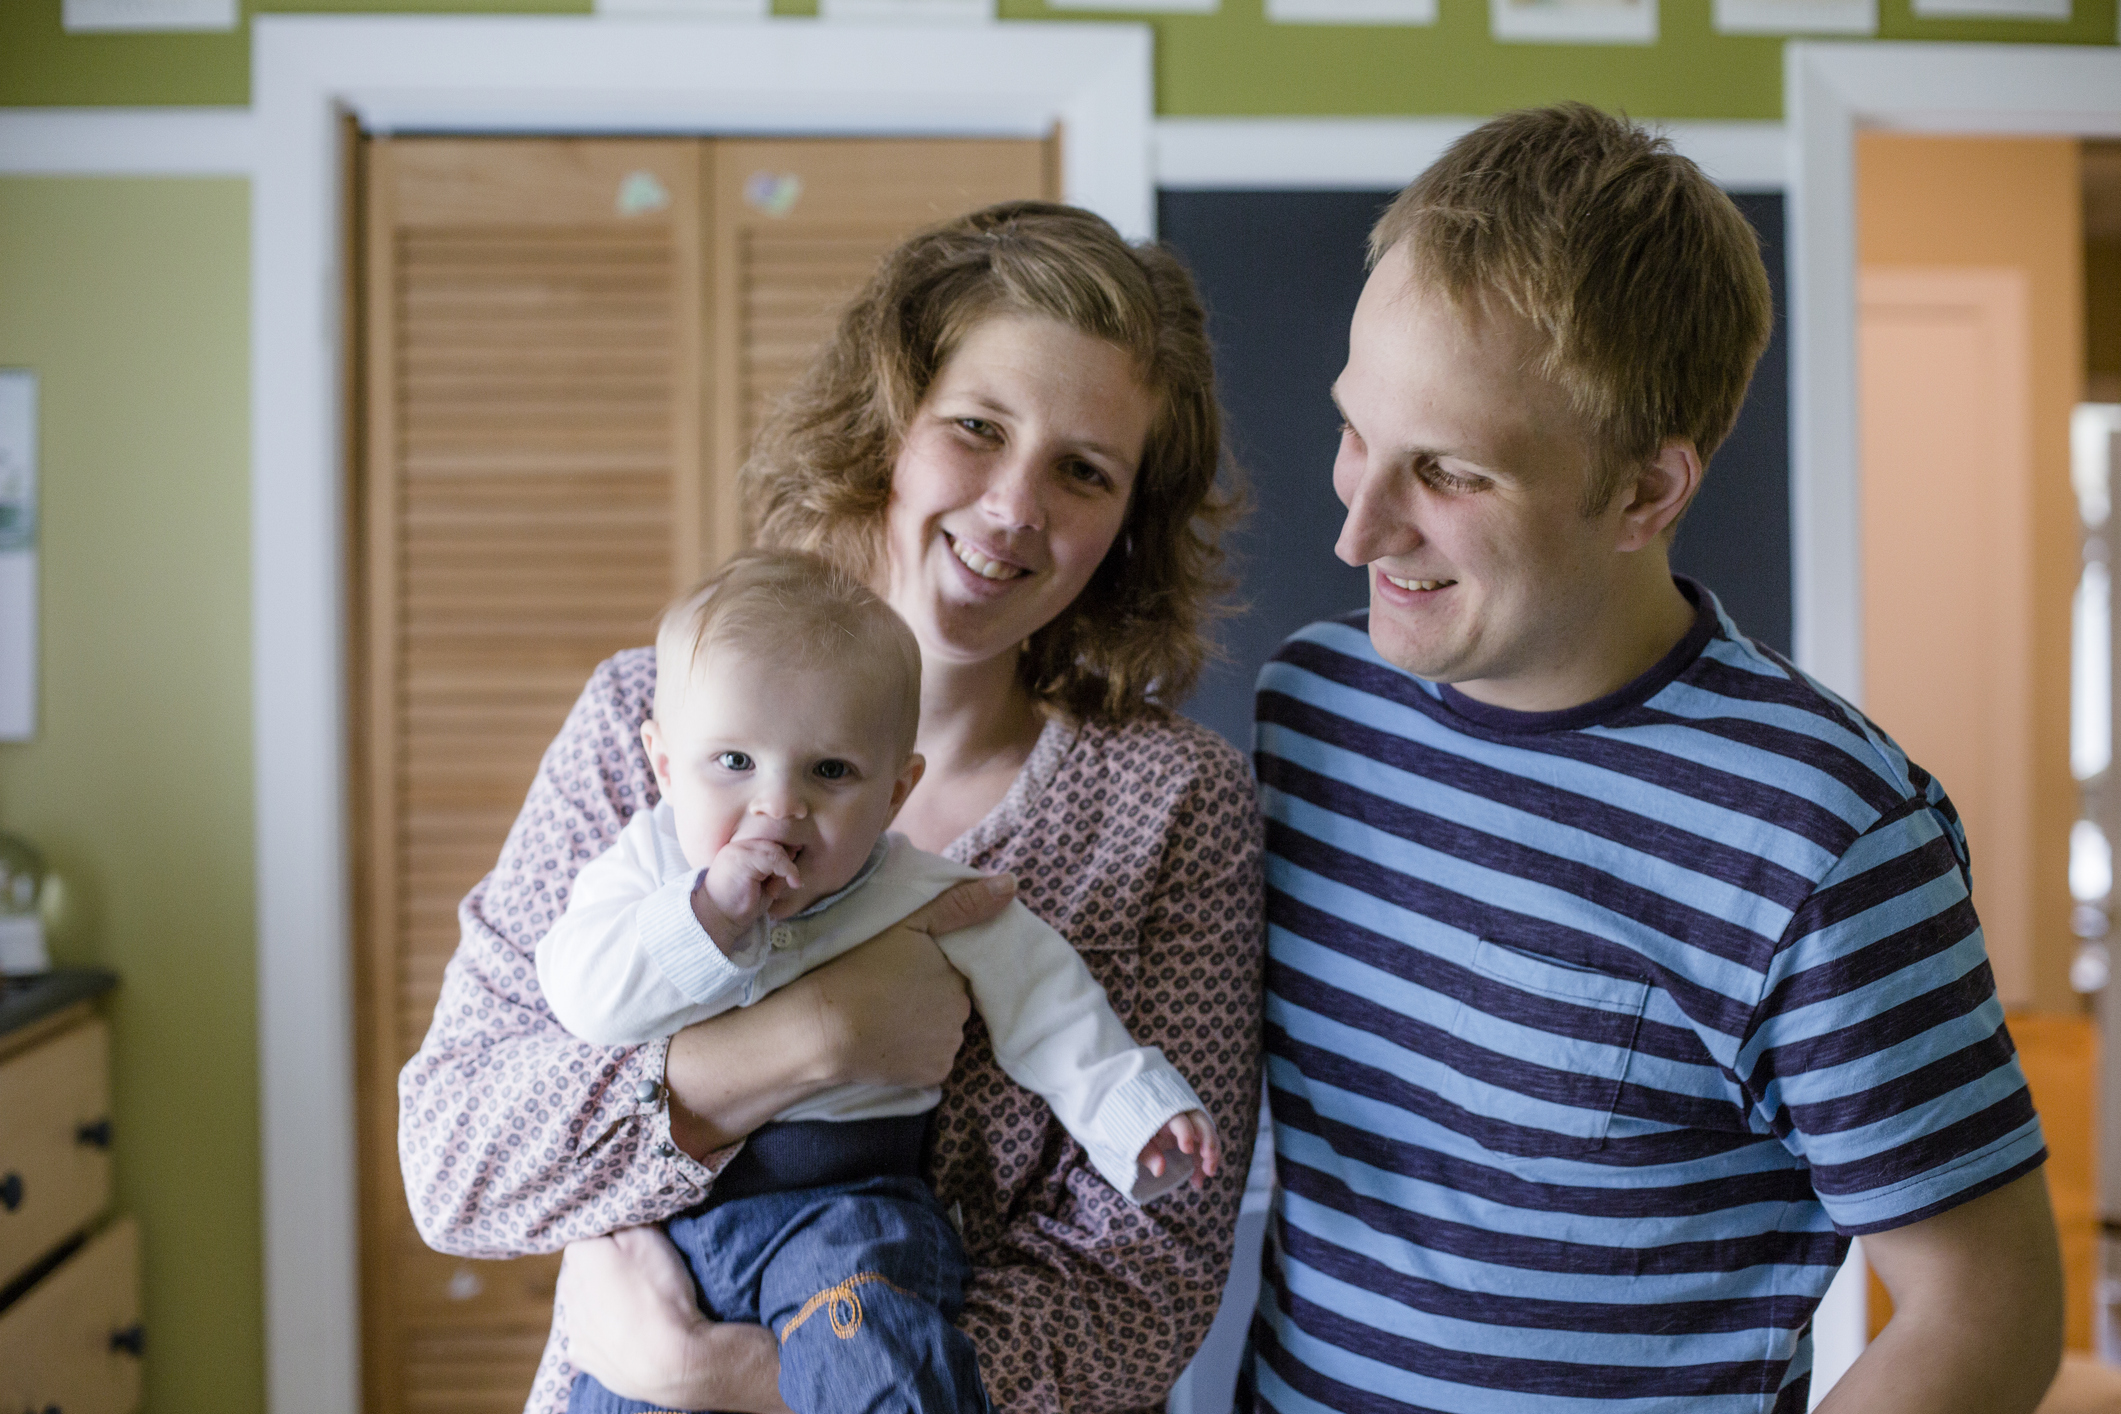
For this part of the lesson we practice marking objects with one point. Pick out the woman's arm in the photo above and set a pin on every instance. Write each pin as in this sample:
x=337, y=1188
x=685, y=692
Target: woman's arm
x=1082, y=1301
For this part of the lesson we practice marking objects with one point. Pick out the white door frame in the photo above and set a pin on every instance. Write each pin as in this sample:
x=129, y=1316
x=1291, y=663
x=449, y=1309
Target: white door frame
x=506, y=74
x=1830, y=91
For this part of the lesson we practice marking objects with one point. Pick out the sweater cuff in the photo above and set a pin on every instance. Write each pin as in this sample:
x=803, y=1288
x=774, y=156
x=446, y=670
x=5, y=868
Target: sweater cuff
x=1129, y=1117
x=690, y=959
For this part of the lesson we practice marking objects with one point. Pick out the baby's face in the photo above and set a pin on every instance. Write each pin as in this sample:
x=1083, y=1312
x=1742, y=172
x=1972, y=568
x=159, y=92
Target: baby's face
x=753, y=749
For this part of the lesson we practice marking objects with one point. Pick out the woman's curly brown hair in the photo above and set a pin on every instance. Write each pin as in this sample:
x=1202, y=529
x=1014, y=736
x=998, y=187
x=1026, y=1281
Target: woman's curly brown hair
x=819, y=476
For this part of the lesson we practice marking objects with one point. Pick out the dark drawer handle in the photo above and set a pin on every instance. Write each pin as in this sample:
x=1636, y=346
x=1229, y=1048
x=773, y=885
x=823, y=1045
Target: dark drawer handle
x=95, y=1134
x=11, y=1192
x=132, y=1340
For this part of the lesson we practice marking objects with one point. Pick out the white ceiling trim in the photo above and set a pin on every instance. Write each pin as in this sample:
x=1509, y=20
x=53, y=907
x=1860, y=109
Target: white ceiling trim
x=127, y=142
x=1252, y=154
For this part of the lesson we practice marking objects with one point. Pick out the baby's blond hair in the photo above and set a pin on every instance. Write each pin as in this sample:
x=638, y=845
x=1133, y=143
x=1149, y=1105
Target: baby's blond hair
x=798, y=610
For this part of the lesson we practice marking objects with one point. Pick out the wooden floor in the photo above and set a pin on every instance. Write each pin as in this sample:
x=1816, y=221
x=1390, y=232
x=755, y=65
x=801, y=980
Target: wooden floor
x=2061, y=1058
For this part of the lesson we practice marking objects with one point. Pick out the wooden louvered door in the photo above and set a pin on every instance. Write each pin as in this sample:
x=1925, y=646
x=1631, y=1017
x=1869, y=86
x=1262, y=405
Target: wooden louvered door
x=797, y=226
x=534, y=336
x=566, y=347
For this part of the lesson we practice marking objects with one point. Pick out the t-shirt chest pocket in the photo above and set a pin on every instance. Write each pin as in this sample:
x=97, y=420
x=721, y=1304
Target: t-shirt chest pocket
x=1546, y=1046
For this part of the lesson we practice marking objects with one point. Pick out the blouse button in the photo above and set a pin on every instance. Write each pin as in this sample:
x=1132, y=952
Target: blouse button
x=668, y=1151
x=783, y=937
x=647, y=1092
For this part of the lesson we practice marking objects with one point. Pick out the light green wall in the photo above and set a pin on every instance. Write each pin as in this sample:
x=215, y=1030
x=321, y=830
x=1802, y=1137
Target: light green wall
x=130, y=299
x=1230, y=62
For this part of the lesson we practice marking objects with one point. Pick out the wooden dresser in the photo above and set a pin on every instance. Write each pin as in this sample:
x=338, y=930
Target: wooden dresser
x=70, y=1334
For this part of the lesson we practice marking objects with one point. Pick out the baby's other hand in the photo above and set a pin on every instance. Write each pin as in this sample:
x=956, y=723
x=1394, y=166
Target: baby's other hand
x=747, y=876
x=1190, y=1133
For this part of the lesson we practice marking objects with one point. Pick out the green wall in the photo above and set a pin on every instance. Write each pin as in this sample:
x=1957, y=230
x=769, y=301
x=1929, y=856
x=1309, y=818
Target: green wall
x=1230, y=62
x=130, y=299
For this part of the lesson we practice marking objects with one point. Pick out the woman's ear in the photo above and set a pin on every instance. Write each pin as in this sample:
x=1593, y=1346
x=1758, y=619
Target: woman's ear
x=909, y=776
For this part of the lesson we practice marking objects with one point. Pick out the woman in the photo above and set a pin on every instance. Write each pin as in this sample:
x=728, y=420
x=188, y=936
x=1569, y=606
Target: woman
x=1014, y=437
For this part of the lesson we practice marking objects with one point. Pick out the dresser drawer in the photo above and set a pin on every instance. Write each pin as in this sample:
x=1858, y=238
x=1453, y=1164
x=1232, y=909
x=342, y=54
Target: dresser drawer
x=54, y=1142
x=72, y=1341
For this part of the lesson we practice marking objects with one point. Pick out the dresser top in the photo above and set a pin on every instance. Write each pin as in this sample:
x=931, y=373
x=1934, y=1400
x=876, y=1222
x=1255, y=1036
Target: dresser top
x=27, y=999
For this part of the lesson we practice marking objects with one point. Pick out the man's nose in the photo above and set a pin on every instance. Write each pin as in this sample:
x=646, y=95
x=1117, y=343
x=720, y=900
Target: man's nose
x=1377, y=524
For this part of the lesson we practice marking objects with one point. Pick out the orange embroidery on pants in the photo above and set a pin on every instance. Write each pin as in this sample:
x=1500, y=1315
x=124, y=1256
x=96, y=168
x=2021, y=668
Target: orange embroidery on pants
x=834, y=1298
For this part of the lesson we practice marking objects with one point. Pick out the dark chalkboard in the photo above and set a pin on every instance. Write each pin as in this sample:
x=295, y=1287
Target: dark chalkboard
x=1281, y=271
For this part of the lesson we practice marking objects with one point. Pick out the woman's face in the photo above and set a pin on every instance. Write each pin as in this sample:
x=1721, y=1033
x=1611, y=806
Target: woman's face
x=1012, y=482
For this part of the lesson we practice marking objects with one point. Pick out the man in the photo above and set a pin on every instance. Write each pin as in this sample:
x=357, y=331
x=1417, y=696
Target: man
x=1618, y=973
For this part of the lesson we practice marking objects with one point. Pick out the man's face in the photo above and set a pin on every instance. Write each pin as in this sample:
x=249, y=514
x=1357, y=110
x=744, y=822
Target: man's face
x=1464, y=473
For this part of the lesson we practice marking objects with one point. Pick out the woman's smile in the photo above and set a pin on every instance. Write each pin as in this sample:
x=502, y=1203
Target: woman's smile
x=992, y=568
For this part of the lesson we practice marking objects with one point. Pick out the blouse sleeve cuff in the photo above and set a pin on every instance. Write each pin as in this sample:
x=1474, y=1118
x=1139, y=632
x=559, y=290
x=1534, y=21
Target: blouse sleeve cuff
x=1129, y=1117
x=639, y=1097
x=689, y=958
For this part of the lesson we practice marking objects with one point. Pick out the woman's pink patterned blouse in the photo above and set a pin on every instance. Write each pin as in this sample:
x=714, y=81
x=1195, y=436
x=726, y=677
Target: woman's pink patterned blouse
x=1141, y=844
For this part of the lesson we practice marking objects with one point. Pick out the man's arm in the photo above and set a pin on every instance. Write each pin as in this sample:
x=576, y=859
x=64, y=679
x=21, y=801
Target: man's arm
x=1977, y=1310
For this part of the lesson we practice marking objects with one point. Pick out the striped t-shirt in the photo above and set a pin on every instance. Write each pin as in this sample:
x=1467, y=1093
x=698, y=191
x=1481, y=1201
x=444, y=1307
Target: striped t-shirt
x=1592, y=1035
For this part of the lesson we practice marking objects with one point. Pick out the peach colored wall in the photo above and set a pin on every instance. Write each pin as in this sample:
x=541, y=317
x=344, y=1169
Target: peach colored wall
x=2008, y=202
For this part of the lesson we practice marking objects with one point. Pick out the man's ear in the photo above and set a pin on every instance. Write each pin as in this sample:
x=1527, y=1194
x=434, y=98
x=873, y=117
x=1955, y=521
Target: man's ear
x=1661, y=491
x=909, y=776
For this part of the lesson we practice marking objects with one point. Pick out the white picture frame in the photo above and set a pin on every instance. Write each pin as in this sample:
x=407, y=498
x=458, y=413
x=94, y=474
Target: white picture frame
x=1351, y=12
x=1796, y=16
x=2057, y=10
x=19, y=516
x=1573, y=21
x=121, y=16
x=1140, y=7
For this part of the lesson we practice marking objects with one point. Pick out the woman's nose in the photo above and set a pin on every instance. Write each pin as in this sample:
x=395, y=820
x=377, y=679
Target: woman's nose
x=1015, y=496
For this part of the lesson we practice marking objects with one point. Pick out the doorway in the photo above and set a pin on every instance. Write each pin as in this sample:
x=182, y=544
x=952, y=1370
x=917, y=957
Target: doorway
x=1835, y=94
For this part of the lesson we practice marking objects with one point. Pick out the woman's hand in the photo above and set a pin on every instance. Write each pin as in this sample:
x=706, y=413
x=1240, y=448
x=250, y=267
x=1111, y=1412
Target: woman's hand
x=889, y=1012
x=633, y=1323
x=892, y=1011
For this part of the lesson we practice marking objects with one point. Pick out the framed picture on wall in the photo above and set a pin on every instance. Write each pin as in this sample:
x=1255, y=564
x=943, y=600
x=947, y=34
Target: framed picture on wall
x=1351, y=12
x=1574, y=21
x=1992, y=9
x=1796, y=16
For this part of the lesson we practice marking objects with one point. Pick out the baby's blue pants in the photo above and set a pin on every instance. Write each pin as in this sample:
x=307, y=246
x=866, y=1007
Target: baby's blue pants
x=860, y=1281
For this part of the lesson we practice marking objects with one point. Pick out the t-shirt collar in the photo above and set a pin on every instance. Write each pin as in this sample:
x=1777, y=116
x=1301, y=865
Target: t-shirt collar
x=1641, y=690
x=875, y=862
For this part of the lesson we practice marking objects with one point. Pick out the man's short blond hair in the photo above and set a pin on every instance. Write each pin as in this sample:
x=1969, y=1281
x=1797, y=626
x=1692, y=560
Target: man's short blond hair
x=1637, y=273
x=794, y=609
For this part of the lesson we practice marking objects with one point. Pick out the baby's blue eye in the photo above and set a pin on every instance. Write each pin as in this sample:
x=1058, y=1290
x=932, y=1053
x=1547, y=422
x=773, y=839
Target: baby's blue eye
x=733, y=761
x=834, y=770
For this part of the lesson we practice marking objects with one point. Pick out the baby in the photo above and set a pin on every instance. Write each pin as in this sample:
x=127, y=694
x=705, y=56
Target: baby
x=786, y=701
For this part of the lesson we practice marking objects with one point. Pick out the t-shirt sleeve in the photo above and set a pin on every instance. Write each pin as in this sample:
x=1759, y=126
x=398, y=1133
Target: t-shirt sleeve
x=1878, y=1052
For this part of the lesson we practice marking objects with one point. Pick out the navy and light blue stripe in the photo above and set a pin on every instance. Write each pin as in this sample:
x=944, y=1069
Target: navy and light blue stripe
x=1591, y=1036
